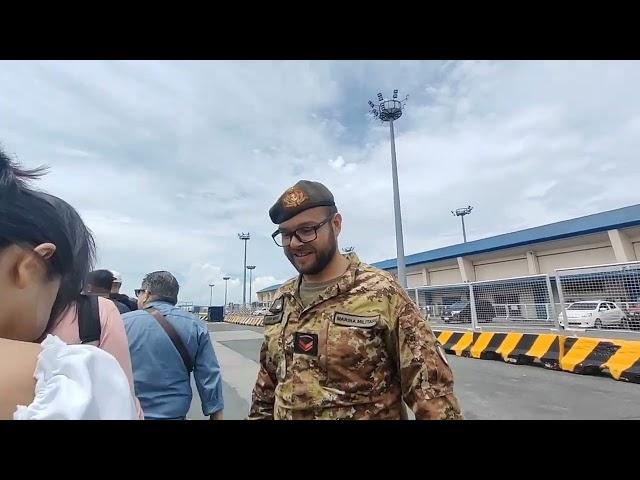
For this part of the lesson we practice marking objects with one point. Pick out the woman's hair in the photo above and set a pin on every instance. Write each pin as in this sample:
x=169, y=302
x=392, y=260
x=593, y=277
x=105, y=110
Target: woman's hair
x=29, y=218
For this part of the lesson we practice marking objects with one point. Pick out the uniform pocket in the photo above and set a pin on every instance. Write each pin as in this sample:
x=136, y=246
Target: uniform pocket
x=354, y=353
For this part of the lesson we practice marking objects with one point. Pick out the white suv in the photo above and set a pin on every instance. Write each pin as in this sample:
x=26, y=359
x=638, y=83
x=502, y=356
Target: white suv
x=595, y=314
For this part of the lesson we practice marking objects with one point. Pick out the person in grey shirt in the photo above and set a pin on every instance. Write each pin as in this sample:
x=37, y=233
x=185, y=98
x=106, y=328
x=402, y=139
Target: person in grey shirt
x=161, y=365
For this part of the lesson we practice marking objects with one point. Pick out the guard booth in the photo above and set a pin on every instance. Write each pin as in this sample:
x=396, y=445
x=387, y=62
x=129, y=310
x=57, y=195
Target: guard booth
x=216, y=314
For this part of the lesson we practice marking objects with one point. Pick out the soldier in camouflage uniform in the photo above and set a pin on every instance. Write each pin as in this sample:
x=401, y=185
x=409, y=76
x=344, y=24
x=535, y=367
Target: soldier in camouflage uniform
x=343, y=340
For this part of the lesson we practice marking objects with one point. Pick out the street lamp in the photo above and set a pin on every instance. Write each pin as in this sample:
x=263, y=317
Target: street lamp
x=461, y=212
x=250, y=268
x=226, y=284
x=388, y=111
x=211, y=285
x=244, y=237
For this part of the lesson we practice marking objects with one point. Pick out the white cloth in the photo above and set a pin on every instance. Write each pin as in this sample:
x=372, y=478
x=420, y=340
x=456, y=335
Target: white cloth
x=78, y=382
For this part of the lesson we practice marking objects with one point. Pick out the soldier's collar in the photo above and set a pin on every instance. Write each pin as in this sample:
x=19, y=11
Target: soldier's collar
x=345, y=281
x=348, y=279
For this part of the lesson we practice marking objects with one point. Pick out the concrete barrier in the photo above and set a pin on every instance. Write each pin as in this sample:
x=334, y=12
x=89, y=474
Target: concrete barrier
x=253, y=320
x=619, y=359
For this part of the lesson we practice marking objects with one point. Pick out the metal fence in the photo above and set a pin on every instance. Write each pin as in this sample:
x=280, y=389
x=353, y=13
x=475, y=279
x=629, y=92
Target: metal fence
x=444, y=304
x=605, y=297
x=522, y=301
x=257, y=309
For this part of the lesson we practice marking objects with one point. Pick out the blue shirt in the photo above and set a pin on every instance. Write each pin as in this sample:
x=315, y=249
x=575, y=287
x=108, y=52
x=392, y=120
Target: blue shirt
x=161, y=380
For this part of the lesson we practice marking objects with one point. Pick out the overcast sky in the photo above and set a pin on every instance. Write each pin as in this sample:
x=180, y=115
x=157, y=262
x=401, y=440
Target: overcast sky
x=168, y=161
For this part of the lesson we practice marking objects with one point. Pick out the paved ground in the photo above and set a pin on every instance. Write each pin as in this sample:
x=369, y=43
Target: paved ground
x=486, y=389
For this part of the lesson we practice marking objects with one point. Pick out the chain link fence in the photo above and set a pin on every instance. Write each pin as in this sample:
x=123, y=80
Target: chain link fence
x=599, y=297
x=256, y=308
x=522, y=301
x=603, y=297
x=444, y=304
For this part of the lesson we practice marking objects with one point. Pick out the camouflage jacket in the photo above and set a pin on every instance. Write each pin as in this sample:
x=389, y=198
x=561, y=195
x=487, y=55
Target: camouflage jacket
x=355, y=352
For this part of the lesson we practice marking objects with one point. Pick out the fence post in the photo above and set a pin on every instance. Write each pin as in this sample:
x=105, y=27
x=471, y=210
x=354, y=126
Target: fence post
x=552, y=303
x=472, y=305
x=562, y=307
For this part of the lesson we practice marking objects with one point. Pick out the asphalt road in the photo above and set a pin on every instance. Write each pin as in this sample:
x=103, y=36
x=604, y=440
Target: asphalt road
x=486, y=389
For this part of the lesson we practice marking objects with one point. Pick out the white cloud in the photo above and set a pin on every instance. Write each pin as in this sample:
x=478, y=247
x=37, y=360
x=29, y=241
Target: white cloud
x=168, y=161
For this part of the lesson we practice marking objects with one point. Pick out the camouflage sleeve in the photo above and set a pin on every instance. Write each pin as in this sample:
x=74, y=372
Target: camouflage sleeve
x=263, y=396
x=426, y=378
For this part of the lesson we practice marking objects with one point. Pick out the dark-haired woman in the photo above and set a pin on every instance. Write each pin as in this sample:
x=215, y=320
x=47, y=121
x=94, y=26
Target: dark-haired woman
x=45, y=253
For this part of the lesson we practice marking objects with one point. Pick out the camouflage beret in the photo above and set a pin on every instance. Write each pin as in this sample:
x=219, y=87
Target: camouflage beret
x=302, y=196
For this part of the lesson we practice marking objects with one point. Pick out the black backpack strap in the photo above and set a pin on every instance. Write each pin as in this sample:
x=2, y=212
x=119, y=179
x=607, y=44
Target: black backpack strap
x=89, y=326
x=122, y=308
x=173, y=336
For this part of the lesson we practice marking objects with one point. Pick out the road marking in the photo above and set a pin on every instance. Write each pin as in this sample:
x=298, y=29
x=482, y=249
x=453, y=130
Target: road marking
x=541, y=345
x=463, y=343
x=480, y=344
x=508, y=344
x=624, y=358
x=578, y=353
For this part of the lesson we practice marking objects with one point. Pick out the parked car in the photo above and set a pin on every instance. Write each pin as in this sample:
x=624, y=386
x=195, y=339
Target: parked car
x=633, y=316
x=261, y=312
x=460, y=312
x=594, y=314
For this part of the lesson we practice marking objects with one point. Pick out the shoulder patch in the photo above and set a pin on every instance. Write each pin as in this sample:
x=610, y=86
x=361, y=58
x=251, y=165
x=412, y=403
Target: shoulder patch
x=277, y=306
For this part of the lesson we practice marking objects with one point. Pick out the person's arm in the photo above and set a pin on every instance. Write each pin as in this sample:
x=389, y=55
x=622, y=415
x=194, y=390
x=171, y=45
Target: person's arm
x=263, y=396
x=206, y=372
x=426, y=378
x=18, y=362
x=113, y=339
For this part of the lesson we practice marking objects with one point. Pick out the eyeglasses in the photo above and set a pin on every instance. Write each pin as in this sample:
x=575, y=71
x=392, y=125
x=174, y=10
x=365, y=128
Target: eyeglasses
x=304, y=234
x=138, y=291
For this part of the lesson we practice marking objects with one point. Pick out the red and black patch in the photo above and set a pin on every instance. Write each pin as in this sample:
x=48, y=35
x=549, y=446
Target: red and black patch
x=305, y=343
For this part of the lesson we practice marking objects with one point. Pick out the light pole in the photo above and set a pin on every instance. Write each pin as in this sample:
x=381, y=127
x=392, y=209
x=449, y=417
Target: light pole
x=244, y=237
x=226, y=284
x=461, y=212
x=250, y=268
x=388, y=111
x=211, y=285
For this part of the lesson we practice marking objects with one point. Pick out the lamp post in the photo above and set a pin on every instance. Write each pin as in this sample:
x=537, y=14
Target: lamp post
x=245, y=237
x=461, y=212
x=250, y=268
x=390, y=110
x=211, y=285
x=226, y=284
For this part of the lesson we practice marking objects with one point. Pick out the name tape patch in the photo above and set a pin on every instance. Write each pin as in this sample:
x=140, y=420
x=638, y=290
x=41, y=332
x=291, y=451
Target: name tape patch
x=347, y=320
x=272, y=319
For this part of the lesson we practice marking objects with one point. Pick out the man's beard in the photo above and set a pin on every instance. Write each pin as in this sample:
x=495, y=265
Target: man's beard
x=322, y=258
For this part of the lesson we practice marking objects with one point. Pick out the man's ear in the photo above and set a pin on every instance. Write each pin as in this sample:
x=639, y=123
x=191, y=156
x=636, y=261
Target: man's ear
x=336, y=223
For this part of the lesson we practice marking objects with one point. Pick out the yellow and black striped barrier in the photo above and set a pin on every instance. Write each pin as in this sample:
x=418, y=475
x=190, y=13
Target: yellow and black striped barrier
x=619, y=359
x=253, y=320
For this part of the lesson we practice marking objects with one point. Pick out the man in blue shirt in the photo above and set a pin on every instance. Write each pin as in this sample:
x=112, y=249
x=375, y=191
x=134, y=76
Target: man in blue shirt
x=160, y=363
